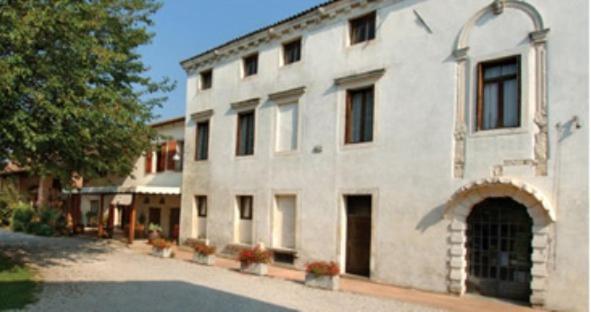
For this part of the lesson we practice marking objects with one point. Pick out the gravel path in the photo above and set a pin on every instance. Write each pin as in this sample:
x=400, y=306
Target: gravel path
x=82, y=274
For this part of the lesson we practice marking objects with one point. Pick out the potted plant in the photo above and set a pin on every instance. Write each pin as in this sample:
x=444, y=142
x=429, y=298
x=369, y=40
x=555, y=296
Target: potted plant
x=161, y=248
x=204, y=254
x=155, y=232
x=254, y=260
x=321, y=274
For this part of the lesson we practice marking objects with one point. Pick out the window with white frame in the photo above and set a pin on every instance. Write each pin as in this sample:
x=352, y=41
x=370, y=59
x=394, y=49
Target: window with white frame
x=498, y=99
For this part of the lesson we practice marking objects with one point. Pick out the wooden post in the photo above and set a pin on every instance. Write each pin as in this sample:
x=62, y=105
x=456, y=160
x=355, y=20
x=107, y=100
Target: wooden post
x=111, y=220
x=77, y=214
x=132, y=214
x=70, y=214
x=101, y=226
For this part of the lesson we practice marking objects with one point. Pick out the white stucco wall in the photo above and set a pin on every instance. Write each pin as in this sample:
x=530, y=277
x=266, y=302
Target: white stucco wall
x=408, y=168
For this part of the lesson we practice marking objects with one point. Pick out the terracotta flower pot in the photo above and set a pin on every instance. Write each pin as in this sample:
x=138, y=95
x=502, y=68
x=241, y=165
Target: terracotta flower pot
x=153, y=235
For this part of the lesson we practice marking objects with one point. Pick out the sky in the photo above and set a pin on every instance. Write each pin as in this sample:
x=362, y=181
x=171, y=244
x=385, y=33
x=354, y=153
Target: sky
x=184, y=28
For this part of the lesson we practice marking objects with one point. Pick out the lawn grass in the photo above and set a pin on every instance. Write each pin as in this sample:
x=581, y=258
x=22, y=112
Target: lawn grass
x=18, y=286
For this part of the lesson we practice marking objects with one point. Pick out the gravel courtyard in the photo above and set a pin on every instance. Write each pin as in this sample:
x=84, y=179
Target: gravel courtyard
x=82, y=274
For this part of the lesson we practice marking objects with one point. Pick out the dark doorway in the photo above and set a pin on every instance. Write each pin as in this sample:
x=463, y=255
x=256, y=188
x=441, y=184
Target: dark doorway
x=125, y=210
x=499, y=249
x=358, y=234
x=175, y=216
x=154, y=216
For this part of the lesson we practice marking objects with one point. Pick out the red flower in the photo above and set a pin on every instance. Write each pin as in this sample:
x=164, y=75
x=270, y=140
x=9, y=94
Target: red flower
x=254, y=255
x=322, y=268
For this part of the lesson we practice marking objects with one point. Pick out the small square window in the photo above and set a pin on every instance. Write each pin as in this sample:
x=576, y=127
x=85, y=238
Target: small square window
x=292, y=52
x=363, y=28
x=201, y=205
x=251, y=65
x=245, y=205
x=206, y=79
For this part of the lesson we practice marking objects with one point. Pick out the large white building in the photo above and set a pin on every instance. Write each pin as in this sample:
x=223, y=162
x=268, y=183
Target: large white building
x=439, y=145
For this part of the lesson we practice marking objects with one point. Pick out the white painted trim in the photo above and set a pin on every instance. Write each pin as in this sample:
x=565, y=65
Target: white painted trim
x=458, y=208
x=524, y=85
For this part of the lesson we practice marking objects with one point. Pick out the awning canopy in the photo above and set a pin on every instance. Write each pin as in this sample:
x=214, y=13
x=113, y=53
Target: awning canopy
x=141, y=189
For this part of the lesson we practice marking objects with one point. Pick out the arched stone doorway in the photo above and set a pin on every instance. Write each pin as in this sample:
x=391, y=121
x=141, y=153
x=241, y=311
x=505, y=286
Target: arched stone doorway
x=498, y=249
x=462, y=204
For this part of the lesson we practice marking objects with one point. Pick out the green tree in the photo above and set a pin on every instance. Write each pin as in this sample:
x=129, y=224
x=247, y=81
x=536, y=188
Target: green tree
x=74, y=95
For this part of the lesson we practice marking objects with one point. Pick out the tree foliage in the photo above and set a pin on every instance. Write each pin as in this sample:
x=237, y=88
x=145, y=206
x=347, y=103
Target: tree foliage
x=74, y=94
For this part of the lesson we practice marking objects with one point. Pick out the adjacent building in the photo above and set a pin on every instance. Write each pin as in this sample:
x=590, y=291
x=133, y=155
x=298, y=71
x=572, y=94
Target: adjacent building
x=439, y=145
x=149, y=195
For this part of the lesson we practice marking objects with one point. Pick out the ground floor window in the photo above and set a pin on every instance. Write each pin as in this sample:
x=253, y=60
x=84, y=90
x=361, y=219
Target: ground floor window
x=245, y=206
x=201, y=205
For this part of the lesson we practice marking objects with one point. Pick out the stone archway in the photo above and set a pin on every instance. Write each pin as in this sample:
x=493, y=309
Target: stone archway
x=539, y=209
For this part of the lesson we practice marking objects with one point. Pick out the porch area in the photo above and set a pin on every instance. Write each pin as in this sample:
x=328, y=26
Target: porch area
x=115, y=212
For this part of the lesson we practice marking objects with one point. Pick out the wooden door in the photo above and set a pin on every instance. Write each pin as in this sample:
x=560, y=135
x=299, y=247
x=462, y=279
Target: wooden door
x=125, y=216
x=175, y=216
x=358, y=234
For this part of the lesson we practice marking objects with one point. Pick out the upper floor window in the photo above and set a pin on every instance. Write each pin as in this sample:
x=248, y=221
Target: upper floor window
x=250, y=64
x=161, y=158
x=292, y=51
x=202, y=144
x=363, y=28
x=359, y=115
x=498, y=99
x=149, y=155
x=287, y=127
x=245, y=138
x=178, y=155
x=206, y=79
x=169, y=156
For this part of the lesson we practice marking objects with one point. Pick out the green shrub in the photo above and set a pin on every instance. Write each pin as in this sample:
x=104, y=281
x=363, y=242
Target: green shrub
x=22, y=216
x=49, y=216
x=10, y=198
x=41, y=229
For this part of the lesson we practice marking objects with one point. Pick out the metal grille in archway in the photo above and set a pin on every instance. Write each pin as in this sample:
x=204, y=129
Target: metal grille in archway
x=499, y=236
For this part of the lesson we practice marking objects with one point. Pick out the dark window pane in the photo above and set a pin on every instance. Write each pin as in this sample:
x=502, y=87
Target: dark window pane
x=499, y=94
x=245, y=205
x=360, y=107
x=245, y=144
x=202, y=140
x=251, y=65
x=201, y=206
x=292, y=52
x=363, y=28
x=206, y=79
